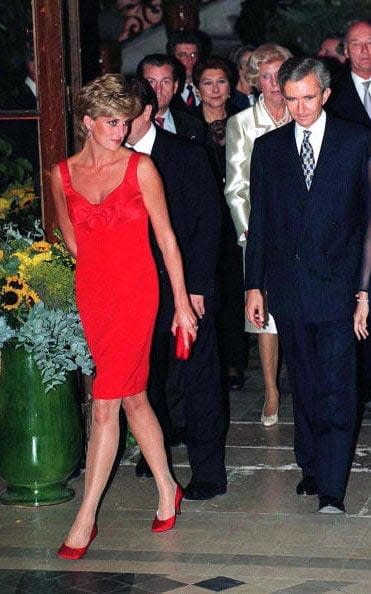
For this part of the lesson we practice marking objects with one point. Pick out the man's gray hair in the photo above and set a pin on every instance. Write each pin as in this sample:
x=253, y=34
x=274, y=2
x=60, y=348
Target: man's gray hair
x=295, y=69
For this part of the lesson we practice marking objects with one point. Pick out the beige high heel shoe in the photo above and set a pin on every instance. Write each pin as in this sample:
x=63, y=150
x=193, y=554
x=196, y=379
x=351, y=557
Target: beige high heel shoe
x=269, y=421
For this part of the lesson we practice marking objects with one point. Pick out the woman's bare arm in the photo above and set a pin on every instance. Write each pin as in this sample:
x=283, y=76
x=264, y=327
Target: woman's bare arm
x=60, y=204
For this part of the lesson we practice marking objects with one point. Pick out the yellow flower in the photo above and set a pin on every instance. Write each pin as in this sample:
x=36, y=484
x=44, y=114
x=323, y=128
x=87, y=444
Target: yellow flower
x=26, y=199
x=41, y=246
x=1, y=255
x=10, y=298
x=14, y=282
x=30, y=297
x=27, y=262
x=4, y=207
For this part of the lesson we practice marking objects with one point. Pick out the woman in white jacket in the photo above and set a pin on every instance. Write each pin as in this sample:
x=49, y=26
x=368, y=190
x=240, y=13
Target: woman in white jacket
x=268, y=113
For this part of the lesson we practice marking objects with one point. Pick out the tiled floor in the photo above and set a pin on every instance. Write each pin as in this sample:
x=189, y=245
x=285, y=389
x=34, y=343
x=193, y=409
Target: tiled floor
x=259, y=538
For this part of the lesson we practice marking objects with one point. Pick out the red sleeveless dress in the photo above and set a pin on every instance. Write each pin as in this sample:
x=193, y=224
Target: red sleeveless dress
x=116, y=282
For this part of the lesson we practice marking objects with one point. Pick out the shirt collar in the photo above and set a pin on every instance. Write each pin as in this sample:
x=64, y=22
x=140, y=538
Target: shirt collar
x=358, y=80
x=318, y=127
x=31, y=84
x=145, y=144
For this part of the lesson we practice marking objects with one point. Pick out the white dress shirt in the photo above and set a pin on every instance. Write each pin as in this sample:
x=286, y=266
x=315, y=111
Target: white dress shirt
x=145, y=144
x=317, y=129
x=31, y=84
x=169, y=123
x=358, y=83
x=185, y=93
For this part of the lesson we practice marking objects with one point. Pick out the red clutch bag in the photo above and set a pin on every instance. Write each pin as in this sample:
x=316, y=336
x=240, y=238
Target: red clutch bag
x=181, y=351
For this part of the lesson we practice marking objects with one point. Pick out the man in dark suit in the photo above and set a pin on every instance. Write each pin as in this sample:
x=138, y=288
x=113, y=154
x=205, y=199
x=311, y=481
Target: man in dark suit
x=351, y=99
x=348, y=102
x=188, y=48
x=309, y=190
x=192, y=200
x=163, y=73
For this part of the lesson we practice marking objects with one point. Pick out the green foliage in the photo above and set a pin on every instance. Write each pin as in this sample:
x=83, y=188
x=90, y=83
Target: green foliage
x=37, y=309
x=54, y=284
x=300, y=25
x=56, y=341
x=12, y=170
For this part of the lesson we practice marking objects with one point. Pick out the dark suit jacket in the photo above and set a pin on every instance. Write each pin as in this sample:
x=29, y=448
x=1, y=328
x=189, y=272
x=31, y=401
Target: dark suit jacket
x=179, y=104
x=305, y=246
x=344, y=102
x=187, y=125
x=192, y=200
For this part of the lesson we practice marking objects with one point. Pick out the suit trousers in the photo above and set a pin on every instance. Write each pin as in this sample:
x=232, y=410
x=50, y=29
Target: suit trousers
x=198, y=380
x=203, y=405
x=321, y=363
x=160, y=368
x=233, y=341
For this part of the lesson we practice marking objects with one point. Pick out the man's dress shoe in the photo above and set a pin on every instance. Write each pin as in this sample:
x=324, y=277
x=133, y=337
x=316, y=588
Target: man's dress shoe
x=202, y=490
x=330, y=505
x=142, y=469
x=307, y=486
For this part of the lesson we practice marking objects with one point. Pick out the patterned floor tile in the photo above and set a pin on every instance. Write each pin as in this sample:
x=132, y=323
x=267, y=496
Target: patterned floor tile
x=219, y=584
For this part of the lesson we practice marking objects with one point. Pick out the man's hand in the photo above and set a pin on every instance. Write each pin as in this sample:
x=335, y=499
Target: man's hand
x=198, y=304
x=361, y=315
x=255, y=308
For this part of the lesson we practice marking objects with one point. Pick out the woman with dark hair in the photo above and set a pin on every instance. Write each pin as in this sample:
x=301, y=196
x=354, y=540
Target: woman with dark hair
x=214, y=80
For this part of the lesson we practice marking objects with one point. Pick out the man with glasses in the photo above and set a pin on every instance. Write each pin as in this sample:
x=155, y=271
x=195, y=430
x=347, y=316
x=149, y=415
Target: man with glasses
x=187, y=48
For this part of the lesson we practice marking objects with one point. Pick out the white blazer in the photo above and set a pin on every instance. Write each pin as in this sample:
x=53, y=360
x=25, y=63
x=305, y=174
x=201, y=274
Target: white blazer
x=242, y=129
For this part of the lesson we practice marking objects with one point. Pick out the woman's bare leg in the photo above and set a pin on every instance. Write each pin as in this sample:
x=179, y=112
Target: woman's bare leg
x=268, y=350
x=147, y=431
x=102, y=449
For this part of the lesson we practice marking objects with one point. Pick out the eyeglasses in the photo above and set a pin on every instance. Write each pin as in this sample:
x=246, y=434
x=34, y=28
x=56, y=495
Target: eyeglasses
x=181, y=55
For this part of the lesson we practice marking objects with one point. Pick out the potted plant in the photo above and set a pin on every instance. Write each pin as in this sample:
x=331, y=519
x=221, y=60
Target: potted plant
x=41, y=346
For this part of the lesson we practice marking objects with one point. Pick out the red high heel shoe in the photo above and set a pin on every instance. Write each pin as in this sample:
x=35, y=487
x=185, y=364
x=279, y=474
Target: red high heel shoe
x=66, y=552
x=169, y=523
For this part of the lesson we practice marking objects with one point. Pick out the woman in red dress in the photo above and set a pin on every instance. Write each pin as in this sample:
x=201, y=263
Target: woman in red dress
x=104, y=196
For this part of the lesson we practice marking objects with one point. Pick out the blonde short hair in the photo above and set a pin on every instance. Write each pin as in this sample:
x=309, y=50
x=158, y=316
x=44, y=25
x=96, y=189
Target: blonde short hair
x=107, y=95
x=264, y=54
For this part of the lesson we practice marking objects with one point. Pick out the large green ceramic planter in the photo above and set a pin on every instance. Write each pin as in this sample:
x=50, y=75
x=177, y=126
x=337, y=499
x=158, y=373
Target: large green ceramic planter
x=40, y=434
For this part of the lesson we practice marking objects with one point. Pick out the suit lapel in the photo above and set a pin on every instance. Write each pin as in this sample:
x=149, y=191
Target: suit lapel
x=325, y=158
x=294, y=161
x=262, y=121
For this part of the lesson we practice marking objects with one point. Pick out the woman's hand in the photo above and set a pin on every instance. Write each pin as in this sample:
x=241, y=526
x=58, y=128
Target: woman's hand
x=360, y=315
x=185, y=318
x=255, y=308
x=198, y=304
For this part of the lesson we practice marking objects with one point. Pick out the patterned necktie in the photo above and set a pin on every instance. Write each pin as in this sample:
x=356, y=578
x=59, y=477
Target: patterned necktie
x=307, y=158
x=160, y=121
x=191, y=99
x=367, y=97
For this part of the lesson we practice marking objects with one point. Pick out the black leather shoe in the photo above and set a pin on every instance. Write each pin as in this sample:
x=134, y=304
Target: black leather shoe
x=142, y=469
x=202, y=490
x=236, y=380
x=330, y=505
x=307, y=486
